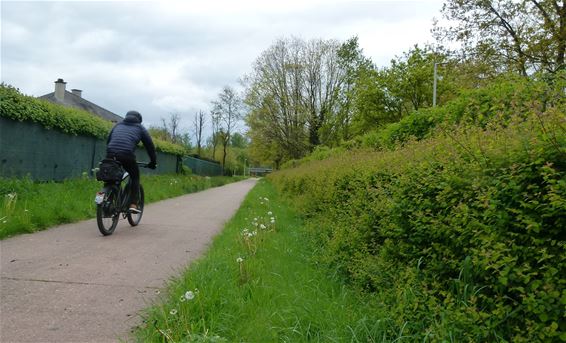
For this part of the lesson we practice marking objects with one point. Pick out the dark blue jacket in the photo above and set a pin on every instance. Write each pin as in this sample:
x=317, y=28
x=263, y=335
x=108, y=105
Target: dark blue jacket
x=126, y=135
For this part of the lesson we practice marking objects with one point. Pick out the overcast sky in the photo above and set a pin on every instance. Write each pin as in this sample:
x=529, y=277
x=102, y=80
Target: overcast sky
x=161, y=57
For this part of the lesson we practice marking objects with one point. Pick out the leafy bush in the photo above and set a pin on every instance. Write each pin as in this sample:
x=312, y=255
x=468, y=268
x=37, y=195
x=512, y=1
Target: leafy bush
x=17, y=106
x=497, y=103
x=461, y=235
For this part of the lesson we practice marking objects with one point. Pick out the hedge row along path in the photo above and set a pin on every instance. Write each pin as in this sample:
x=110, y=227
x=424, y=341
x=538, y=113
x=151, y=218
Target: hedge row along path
x=71, y=284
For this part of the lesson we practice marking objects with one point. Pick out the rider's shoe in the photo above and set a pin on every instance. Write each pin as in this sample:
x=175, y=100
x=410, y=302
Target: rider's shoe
x=134, y=209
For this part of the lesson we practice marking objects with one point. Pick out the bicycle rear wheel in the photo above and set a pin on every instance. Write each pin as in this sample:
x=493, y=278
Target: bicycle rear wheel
x=107, y=213
x=135, y=218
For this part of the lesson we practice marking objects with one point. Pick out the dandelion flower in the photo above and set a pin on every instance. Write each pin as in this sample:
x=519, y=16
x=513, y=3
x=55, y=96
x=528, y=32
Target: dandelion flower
x=189, y=295
x=239, y=260
x=173, y=312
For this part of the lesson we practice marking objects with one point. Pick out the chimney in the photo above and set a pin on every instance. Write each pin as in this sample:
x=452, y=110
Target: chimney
x=77, y=92
x=60, y=89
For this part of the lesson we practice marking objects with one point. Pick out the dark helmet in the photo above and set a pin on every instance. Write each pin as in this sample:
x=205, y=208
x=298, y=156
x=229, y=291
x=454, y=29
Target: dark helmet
x=134, y=114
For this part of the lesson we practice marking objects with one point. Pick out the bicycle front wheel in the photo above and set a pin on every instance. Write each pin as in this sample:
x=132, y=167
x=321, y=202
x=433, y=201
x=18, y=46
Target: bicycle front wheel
x=135, y=218
x=107, y=213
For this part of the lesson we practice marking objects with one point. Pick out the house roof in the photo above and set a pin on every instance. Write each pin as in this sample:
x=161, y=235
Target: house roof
x=73, y=100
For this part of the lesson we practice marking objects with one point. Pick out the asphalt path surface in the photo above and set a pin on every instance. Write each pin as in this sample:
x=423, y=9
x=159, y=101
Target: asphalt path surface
x=71, y=284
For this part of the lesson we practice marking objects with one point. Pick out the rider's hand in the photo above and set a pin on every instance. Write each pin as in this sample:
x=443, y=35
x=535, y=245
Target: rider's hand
x=152, y=165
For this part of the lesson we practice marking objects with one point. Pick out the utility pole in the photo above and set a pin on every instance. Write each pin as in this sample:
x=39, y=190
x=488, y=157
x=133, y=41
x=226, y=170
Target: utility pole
x=434, y=83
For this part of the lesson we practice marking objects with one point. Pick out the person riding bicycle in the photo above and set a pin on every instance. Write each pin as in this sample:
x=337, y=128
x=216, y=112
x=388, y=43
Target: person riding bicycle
x=121, y=146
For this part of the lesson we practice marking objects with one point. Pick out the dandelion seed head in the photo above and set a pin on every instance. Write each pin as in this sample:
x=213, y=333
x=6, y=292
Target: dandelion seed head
x=189, y=295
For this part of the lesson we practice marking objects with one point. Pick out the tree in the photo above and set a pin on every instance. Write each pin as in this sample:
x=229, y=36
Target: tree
x=238, y=140
x=293, y=94
x=323, y=79
x=198, y=124
x=273, y=94
x=170, y=131
x=355, y=67
x=228, y=109
x=214, y=139
x=171, y=126
x=521, y=36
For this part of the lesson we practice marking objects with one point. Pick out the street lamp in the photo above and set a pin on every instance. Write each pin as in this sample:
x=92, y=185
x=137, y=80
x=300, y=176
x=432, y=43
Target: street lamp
x=434, y=83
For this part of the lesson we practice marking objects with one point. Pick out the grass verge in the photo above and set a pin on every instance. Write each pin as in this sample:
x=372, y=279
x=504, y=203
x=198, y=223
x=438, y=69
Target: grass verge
x=27, y=206
x=259, y=283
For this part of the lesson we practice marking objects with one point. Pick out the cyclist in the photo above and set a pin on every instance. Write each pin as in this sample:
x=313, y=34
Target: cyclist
x=121, y=146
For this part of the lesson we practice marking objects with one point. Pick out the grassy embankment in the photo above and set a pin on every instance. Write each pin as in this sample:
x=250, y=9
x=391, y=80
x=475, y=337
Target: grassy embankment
x=260, y=283
x=27, y=206
x=452, y=230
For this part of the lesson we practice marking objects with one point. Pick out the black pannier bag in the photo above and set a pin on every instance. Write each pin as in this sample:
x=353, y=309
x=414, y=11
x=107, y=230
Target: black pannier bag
x=109, y=170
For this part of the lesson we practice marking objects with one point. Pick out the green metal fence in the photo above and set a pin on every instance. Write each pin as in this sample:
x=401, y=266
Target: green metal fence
x=29, y=149
x=202, y=167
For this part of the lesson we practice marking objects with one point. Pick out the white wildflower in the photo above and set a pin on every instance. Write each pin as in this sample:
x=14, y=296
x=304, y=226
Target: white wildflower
x=269, y=213
x=173, y=312
x=263, y=227
x=182, y=298
x=239, y=260
x=265, y=199
x=189, y=295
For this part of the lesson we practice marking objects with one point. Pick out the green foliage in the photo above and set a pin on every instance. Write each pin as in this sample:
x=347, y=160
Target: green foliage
x=27, y=206
x=496, y=103
x=460, y=234
x=261, y=285
x=16, y=106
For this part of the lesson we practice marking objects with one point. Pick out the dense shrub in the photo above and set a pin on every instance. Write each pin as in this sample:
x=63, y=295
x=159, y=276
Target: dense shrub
x=462, y=235
x=16, y=106
x=496, y=103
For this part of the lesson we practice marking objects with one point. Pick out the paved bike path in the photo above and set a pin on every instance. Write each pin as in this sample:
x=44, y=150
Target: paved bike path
x=71, y=284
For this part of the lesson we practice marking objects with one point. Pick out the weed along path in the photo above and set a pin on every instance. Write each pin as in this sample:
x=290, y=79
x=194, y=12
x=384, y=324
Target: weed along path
x=71, y=284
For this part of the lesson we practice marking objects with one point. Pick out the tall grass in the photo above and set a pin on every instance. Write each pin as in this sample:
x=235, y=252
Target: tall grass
x=27, y=206
x=480, y=211
x=259, y=282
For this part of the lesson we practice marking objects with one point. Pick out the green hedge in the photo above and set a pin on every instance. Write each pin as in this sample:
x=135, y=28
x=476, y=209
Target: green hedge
x=462, y=235
x=16, y=106
x=496, y=103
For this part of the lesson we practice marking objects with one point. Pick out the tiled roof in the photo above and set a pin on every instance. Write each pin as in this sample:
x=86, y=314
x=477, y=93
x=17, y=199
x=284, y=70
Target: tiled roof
x=73, y=100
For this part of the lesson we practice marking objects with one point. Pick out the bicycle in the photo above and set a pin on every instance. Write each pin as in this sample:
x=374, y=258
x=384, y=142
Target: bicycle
x=114, y=198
